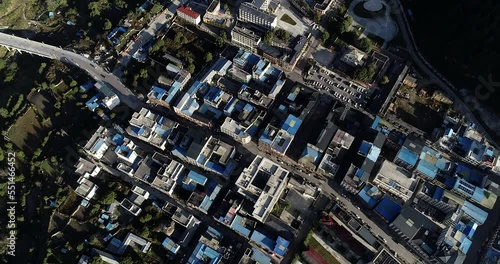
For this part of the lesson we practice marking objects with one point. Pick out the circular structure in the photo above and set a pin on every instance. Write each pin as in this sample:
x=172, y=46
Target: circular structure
x=375, y=17
x=373, y=5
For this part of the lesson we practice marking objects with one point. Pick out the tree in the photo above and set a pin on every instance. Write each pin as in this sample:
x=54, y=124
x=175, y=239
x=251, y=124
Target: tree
x=98, y=6
x=190, y=68
x=1, y=155
x=317, y=17
x=143, y=73
x=226, y=8
x=53, y=5
x=156, y=8
x=385, y=80
x=110, y=198
x=220, y=41
x=157, y=46
x=178, y=38
x=145, y=218
x=42, y=67
x=365, y=73
x=80, y=247
x=326, y=37
x=107, y=24
x=346, y=24
x=121, y=3
x=282, y=34
x=4, y=113
x=268, y=37
x=208, y=57
x=365, y=44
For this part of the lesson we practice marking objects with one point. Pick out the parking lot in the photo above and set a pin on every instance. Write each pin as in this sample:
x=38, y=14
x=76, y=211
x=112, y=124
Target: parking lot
x=341, y=88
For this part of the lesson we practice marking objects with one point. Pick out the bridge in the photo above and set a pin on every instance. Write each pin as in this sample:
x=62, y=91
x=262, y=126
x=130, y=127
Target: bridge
x=56, y=53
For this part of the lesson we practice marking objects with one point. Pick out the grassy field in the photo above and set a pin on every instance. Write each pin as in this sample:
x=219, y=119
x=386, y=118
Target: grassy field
x=26, y=131
x=322, y=251
x=17, y=13
x=286, y=18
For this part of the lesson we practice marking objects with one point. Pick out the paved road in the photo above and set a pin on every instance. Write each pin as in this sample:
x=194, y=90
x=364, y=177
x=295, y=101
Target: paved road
x=331, y=188
x=99, y=74
x=422, y=63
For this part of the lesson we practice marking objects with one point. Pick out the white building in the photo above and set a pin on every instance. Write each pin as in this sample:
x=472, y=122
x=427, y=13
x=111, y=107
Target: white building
x=167, y=177
x=188, y=14
x=111, y=102
x=151, y=128
x=243, y=35
x=251, y=13
x=395, y=180
x=262, y=182
x=86, y=189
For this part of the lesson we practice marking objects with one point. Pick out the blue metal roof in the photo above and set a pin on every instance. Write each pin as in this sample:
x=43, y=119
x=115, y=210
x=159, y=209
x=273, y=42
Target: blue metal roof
x=281, y=246
x=198, y=178
x=237, y=225
x=369, y=200
x=260, y=257
x=478, y=195
x=98, y=144
x=312, y=154
x=464, y=247
x=450, y=182
x=427, y=169
x=365, y=148
x=170, y=245
x=201, y=253
x=118, y=139
x=469, y=174
x=373, y=154
x=87, y=86
x=475, y=212
x=375, y=122
x=262, y=240
x=292, y=124
x=408, y=156
x=465, y=143
x=388, y=209
x=438, y=194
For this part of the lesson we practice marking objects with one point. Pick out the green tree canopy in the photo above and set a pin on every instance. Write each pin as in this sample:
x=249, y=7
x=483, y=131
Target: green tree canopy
x=385, y=80
x=365, y=73
x=282, y=34
x=110, y=198
x=96, y=7
x=208, y=57
x=326, y=37
x=365, y=44
x=107, y=24
x=268, y=37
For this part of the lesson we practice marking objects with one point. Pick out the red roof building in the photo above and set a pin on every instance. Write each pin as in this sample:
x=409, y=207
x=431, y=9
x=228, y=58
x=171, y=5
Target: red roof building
x=186, y=13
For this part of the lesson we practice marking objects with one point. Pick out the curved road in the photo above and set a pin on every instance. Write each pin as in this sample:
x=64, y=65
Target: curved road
x=99, y=74
x=422, y=63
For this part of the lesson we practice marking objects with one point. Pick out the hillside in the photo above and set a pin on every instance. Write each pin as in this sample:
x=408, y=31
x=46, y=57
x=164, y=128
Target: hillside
x=460, y=37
